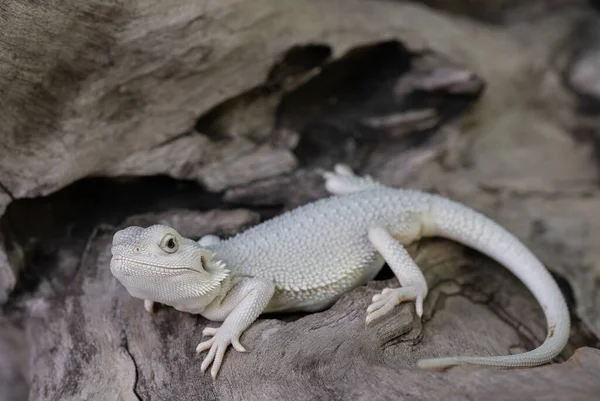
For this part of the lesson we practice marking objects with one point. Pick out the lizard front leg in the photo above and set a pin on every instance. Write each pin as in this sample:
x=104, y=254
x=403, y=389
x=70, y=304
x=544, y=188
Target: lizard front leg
x=414, y=286
x=238, y=310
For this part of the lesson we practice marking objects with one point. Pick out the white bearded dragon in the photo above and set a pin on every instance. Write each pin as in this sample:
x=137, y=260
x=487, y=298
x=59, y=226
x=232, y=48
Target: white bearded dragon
x=305, y=259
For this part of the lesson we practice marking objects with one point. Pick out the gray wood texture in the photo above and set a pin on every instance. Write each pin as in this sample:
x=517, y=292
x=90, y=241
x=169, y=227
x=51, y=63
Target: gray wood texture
x=242, y=103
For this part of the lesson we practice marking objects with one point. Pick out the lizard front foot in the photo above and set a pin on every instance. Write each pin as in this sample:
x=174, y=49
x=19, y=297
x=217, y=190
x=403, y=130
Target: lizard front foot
x=222, y=338
x=384, y=303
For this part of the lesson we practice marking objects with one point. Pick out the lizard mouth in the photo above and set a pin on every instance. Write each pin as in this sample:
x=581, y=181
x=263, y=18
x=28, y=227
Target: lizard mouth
x=130, y=267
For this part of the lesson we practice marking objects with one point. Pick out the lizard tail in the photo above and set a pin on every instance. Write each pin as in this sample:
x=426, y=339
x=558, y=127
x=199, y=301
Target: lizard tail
x=462, y=224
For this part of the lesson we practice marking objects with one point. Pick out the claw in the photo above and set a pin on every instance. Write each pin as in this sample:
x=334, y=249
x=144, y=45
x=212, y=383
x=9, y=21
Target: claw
x=209, y=358
x=218, y=361
x=376, y=305
x=419, y=306
x=237, y=345
x=203, y=346
x=377, y=297
x=377, y=311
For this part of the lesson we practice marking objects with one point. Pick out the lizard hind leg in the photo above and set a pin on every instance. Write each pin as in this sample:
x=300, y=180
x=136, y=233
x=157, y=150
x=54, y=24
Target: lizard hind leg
x=414, y=287
x=342, y=181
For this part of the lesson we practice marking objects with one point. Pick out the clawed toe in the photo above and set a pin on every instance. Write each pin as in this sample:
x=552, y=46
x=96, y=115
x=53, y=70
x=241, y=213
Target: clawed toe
x=209, y=331
x=376, y=298
x=384, y=302
x=376, y=312
x=220, y=340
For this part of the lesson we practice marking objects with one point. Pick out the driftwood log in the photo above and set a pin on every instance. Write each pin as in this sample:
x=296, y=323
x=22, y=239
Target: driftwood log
x=212, y=116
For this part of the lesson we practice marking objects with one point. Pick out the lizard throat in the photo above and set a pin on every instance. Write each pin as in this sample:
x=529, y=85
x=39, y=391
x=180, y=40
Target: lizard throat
x=142, y=279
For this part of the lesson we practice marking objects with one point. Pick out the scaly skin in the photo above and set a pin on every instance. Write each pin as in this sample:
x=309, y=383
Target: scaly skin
x=304, y=260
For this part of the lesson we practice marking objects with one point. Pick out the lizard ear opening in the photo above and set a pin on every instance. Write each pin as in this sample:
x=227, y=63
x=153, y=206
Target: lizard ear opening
x=203, y=262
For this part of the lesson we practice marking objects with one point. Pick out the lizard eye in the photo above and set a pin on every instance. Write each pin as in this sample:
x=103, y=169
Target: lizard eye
x=169, y=243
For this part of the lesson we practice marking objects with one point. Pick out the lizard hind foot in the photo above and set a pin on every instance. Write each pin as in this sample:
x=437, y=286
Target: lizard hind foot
x=384, y=302
x=342, y=180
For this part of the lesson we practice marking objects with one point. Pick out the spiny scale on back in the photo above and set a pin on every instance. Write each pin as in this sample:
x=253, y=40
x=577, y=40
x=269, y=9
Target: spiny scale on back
x=309, y=260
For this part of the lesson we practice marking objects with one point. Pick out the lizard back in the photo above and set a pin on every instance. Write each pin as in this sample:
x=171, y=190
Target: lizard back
x=321, y=247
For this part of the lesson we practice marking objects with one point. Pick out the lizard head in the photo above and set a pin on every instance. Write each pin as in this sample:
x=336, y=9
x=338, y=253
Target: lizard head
x=158, y=264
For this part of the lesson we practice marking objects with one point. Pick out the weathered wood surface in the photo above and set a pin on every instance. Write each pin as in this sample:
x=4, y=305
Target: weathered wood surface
x=251, y=99
x=109, y=347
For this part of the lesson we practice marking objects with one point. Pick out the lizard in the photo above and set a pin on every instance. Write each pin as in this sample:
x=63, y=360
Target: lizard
x=306, y=258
